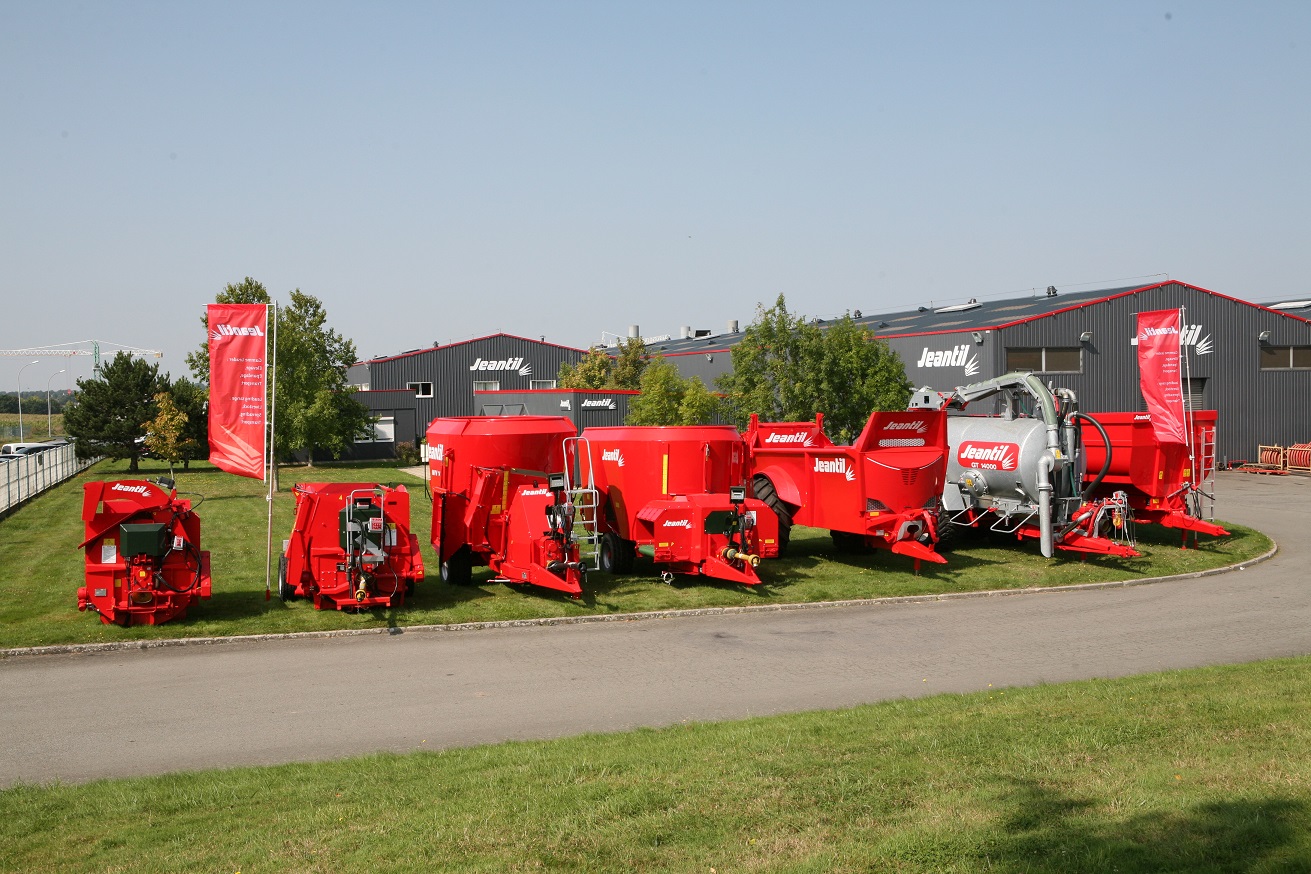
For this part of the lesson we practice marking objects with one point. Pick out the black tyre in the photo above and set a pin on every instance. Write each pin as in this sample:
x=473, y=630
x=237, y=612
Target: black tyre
x=616, y=554
x=764, y=491
x=458, y=569
x=949, y=535
x=286, y=591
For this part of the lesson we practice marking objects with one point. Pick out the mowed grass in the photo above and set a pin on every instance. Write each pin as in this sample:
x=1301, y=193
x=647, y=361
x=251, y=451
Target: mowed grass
x=1200, y=770
x=41, y=568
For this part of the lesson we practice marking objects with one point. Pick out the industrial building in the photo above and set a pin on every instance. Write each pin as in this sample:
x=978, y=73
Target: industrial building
x=1250, y=362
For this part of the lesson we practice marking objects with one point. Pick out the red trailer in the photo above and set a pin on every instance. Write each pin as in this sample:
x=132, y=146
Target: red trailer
x=1166, y=483
x=143, y=559
x=679, y=491
x=498, y=493
x=882, y=491
x=350, y=547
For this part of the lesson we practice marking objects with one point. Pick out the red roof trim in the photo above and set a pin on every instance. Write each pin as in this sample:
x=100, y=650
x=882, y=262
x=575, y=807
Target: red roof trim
x=557, y=391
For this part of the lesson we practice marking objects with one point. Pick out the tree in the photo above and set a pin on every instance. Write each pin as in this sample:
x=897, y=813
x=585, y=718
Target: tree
x=699, y=405
x=165, y=433
x=193, y=400
x=629, y=365
x=109, y=415
x=246, y=291
x=787, y=368
x=592, y=372
x=668, y=399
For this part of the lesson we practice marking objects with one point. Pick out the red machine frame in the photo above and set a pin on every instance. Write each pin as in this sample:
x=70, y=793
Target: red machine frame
x=882, y=491
x=350, y=547
x=142, y=550
x=680, y=492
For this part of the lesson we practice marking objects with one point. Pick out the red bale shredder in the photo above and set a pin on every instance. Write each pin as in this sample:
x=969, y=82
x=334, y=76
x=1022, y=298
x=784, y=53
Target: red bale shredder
x=144, y=564
x=350, y=547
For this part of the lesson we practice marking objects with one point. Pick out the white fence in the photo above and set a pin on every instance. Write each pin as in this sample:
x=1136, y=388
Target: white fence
x=22, y=478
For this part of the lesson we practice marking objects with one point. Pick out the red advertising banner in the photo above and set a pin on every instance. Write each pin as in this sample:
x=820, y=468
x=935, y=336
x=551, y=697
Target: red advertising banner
x=238, y=349
x=1158, y=373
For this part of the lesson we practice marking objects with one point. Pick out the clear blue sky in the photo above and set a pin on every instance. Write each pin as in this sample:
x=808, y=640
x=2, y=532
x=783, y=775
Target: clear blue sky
x=438, y=171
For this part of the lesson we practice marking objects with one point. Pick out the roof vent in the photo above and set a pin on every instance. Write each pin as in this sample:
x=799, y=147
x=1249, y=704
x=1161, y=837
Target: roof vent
x=1051, y=291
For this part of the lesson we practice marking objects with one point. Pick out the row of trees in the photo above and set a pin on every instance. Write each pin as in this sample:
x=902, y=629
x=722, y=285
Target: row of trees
x=129, y=408
x=34, y=401
x=787, y=368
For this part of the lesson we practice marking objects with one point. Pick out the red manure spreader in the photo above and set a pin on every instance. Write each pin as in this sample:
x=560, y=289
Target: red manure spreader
x=350, y=547
x=144, y=564
x=1168, y=484
x=499, y=499
x=679, y=493
x=882, y=491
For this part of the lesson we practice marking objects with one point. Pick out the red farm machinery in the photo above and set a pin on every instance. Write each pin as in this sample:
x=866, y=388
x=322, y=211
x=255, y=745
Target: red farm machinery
x=1022, y=472
x=143, y=559
x=1167, y=484
x=677, y=493
x=499, y=499
x=350, y=547
x=881, y=492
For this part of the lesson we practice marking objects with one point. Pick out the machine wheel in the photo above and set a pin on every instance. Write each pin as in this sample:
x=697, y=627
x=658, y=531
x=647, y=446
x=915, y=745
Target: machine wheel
x=616, y=554
x=951, y=536
x=285, y=591
x=764, y=491
x=845, y=541
x=458, y=569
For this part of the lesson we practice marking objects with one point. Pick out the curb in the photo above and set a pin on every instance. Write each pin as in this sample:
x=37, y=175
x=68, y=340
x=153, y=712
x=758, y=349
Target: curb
x=91, y=648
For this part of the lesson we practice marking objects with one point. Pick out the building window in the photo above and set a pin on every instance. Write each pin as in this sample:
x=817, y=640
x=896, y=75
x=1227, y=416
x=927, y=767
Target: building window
x=421, y=389
x=1286, y=357
x=1047, y=359
x=504, y=410
x=541, y=384
x=486, y=385
x=384, y=431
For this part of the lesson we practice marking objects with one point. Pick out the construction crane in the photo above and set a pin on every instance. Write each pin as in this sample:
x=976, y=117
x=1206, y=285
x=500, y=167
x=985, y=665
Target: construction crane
x=69, y=350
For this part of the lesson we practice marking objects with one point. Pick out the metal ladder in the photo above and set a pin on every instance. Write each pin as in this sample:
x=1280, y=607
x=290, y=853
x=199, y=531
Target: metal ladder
x=1206, y=482
x=586, y=500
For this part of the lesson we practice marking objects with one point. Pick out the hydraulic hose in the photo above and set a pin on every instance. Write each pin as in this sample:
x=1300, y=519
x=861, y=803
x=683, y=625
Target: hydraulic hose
x=1106, y=465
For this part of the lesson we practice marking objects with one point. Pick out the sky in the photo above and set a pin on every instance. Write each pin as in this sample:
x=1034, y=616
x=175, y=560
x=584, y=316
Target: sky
x=441, y=171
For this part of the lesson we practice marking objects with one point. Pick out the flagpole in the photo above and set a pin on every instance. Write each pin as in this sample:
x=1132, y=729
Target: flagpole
x=270, y=471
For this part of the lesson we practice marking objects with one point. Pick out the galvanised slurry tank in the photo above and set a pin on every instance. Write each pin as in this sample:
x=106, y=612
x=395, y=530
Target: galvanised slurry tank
x=882, y=491
x=143, y=560
x=499, y=499
x=1168, y=484
x=681, y=492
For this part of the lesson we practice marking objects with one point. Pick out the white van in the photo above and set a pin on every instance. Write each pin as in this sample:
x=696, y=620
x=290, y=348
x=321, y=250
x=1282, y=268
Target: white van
x=24, y=448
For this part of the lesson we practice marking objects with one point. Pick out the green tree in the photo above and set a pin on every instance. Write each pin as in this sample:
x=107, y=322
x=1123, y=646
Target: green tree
x=787, y=368
x=592, y=372
x=699, y=405
x=668, y=399
x=192, y=400
x=246, y=291
x=316, y=408
x=165, y=433
x=110, y=412
x=629, y=365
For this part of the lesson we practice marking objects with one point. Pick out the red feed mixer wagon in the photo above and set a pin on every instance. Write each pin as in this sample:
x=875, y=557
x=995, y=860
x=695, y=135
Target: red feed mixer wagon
x=499, y=499
x=144, y=564
x=680, y=492
x=1166, y=483
x=882, y=491
x=350, y=547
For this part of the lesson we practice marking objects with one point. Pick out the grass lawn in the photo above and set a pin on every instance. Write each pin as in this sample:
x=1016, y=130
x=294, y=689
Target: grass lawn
x=41, y=568
x=1201, y=770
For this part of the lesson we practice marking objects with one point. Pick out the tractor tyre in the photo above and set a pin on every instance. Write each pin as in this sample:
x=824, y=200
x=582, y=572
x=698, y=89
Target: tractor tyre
x=458, y=569
x=616, y=554
x=286, y=591
x=765, y=492
x=949, y=535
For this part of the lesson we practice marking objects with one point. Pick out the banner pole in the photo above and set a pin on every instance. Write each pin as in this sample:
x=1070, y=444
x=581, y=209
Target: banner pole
x=271, y=395
x=1186, y=389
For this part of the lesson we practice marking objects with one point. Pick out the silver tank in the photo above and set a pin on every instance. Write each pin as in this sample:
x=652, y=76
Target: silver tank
x=994, y=459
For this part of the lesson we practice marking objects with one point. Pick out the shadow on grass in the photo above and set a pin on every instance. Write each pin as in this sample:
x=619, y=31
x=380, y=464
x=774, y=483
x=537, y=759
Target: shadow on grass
x=1044, y=830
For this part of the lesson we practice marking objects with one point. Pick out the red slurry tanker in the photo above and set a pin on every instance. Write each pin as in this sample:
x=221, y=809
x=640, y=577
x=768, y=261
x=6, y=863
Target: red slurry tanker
x=882, y=491
x=143, y=559
x=350, y=547
x=499, y=499
x=680, y=493
x=1167, y=484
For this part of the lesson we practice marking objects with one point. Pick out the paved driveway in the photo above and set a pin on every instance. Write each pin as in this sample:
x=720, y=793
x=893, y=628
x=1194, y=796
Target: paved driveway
x=80, y=717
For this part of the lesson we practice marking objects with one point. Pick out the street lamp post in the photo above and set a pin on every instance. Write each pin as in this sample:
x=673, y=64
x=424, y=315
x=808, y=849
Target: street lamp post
x=49, y=433
x=20, y=398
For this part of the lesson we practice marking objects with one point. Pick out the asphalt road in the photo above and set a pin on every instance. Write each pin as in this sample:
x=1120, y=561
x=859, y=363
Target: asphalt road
x=82, y=717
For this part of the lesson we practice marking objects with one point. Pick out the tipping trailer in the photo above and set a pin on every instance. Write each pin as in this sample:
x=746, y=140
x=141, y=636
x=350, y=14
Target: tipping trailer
x=143, y=560
x=499, y=499
x=1023, y=472
x=1168, y=484
x=350, y=547
x=882, y=491
x=679, y=492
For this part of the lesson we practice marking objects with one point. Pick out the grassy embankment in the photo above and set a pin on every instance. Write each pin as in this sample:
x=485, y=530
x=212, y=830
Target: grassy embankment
x=41, y=568
x=1201, y=770
x=34, y=427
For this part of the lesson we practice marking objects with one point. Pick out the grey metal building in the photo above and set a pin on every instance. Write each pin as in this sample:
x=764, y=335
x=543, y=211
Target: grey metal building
x=1250, y=362
x=409, y=390
x=585, y=407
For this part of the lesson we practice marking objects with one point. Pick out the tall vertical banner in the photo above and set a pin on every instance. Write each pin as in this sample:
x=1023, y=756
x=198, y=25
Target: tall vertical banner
x=238, y=351
x=1158, y=373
